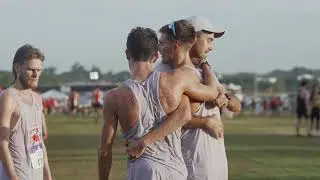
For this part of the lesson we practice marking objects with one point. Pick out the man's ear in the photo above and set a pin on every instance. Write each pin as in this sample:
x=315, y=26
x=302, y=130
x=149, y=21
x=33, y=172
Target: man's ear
x=17, y=67
x=176, y=45
x=127, y=54
x=155, y=57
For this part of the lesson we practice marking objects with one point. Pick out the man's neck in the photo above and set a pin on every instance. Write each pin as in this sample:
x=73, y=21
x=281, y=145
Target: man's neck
x=183, y=60
x=141, y=70
x=193, y=54
x=17, y=85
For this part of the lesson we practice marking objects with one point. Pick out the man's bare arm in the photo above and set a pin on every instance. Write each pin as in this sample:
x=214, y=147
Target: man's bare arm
x=210, y=124
x=197, y=122
x=198, y=91
x=108, y=135
x=7, y=106
x=46, y=167
x=174, y=121
x=234, y=104
x=44, y=127
x=209, y=77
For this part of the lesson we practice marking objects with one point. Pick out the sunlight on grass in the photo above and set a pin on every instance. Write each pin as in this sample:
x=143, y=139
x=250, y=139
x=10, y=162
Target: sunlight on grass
x=257, y=148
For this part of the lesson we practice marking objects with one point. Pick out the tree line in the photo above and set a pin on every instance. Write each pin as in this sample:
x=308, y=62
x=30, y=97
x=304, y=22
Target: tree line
x=286, y=79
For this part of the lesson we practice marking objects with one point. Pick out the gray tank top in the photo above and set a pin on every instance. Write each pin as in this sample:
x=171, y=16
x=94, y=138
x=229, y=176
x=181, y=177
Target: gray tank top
x=204, y=155
x=168, y=151
x=26, y=143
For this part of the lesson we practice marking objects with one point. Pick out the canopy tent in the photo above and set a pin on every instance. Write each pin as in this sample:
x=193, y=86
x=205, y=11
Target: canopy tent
x=54, y=94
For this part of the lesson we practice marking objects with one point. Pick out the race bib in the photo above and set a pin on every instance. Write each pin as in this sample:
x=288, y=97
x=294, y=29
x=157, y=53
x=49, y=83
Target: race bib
x=37, y=159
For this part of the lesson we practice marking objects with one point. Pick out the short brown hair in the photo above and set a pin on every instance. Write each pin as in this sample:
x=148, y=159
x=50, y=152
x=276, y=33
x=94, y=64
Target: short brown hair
x=24, y=53
x=142, y=43
x=181, y=31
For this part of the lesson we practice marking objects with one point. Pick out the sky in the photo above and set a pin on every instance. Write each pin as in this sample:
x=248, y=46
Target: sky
x=260, y=35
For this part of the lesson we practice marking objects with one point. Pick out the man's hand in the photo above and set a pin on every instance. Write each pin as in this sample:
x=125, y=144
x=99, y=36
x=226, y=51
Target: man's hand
x=135, y=148
x=222, y=101
x=14, y=178
x=196, y=61
x=214, y=127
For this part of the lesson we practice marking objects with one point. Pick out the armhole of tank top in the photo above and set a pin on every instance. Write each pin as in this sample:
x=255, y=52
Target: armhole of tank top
x=136, y=98
x=16, y=98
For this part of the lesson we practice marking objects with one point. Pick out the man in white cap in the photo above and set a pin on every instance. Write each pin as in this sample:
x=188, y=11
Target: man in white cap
x=204, y=155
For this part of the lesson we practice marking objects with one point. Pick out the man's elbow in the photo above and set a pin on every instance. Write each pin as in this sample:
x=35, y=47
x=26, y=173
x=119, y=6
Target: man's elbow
x=234, y=106
x=214, y=94
x=234, y=109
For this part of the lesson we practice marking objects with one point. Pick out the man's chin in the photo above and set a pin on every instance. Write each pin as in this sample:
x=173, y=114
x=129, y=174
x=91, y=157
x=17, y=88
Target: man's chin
x=34, y=87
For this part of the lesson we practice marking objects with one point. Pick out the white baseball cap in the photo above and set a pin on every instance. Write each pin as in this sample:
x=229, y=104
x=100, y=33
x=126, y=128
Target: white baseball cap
x=201, y=23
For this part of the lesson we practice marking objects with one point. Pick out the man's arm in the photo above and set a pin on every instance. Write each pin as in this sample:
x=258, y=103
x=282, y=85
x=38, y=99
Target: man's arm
x=197, y=122
x=108, y=134
x=210, y=124
x=198, y=91
x=46, y=167
x=174, y=121
x=44, y=127
x=234, y=104
x=7, y=107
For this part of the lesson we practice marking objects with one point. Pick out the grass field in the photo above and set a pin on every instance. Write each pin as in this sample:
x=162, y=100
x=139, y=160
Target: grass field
x=257, y=148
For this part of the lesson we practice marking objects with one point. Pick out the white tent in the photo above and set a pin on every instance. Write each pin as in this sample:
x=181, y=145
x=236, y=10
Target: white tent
x=234, y=87
x=305, y=76
x=54, y=94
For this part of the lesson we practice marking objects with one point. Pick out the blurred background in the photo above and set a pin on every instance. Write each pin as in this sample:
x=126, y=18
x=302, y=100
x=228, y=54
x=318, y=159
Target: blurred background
x=269, y=48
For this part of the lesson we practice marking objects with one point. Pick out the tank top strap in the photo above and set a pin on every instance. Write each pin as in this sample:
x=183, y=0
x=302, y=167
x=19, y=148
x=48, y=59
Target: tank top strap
x=15, y=96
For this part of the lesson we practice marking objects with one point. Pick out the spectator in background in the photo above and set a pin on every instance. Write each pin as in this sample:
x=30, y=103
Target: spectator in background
x=315, y=110
x=74, y=98
x=97, y=102
x=302, y=104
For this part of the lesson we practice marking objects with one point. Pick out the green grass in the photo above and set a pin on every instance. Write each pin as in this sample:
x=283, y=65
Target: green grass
x=257, y=148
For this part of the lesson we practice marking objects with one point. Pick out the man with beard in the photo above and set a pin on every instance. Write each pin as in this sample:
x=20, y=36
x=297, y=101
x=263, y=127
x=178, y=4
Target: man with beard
x=23, y=154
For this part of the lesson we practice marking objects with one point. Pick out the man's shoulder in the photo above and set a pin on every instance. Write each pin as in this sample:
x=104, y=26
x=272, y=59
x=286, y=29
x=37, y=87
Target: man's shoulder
x=37, y=96
x=7, y=98
x=5, y=95
x=118, y=93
